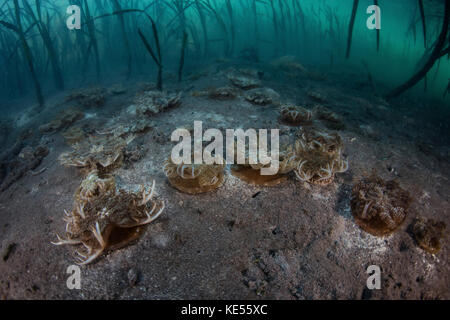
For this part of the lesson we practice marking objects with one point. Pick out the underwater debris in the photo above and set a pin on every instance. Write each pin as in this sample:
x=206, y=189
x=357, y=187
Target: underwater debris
x=65, y=118
x=194, y=178
x=428, y=234
x=88, y=97
x=262, y=96
x=103, y=219
x=74, y=135
x=329, y=118
x=378, y=206
x=28, y=159
x=295, y=115
x=319, y=156
x=9, y=251
x=242, y=81
x=153, y=102
x=103, y=153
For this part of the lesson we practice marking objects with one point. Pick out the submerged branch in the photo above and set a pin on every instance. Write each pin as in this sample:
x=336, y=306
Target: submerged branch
x=424, y=25
x=9, y=26
x=27, y=53
x=113, y=14
x=183, y=52
x=435, y=55
x=350, y=28
x=378, y=31
x=157, y=58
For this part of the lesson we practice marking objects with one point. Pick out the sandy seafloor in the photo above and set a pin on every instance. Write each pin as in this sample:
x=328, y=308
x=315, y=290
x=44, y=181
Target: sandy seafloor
x=292, y=241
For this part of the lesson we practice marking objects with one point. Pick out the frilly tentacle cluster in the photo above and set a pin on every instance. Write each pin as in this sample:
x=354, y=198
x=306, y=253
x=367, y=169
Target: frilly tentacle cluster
x=62, y=120
x=315, y=157
x=222, y=93
x=153, y=102
x=94, y=185
x=74, y=135
x=379, y=207
x=243, y=81
x=105, y=219
x=319, y=156
x=194, y=178
x=295, y=115
x=428, y=234
x=262, y=96
x=102, y=152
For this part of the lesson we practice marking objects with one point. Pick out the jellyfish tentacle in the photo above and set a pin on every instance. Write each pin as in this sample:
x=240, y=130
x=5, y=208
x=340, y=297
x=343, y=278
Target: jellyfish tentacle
x=65, y=241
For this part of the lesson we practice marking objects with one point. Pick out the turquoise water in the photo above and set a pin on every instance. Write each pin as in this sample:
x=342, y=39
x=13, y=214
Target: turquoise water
x=314, y=31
